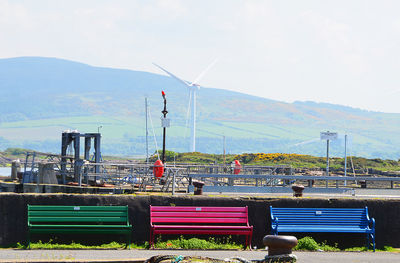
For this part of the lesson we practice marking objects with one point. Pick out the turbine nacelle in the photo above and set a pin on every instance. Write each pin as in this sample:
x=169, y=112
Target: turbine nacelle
x=194, y=86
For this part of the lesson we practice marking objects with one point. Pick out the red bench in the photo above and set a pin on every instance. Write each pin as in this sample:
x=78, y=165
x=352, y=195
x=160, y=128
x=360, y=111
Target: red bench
x=200, y=220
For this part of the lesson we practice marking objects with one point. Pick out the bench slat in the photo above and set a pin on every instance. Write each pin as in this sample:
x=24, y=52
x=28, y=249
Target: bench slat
x=314, y=221
x=318, y=208
x=198, y=227
x=80, y=226
x=75, y=213
x=81, y=231
x=203, y=232
x=75, y=208
x=299, y=229
x=77, y=219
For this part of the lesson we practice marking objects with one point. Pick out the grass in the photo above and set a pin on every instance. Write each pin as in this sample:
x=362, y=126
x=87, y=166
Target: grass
x=51, y=245
x=196, y=243
x=309, y=244
x=223, y=243
x=180, y=243
x=364, y=249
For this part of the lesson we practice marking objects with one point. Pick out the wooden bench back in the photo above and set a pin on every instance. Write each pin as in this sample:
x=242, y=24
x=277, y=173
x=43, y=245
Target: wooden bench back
x=198, y=215
x=335, y=217
x=49, y=214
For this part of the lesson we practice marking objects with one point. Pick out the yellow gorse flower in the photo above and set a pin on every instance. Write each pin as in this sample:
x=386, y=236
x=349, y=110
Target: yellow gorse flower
x=268, y=156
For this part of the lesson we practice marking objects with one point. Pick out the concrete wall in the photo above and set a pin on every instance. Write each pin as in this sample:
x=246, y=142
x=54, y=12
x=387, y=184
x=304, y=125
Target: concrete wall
x=13, y=214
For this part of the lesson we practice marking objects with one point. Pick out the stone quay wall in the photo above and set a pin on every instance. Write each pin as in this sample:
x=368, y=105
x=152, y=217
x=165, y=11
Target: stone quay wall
x=13, y=215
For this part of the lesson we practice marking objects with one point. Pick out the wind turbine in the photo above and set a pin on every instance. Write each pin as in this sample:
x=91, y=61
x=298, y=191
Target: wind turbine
x=193, y=87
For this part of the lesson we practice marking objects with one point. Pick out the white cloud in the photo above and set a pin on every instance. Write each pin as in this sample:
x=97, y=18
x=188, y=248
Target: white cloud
x=13, y=16
x=166, y=10
x=340, y=39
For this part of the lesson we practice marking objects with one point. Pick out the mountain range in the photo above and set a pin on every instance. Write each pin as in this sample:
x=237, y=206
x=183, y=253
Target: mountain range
x=41, y=97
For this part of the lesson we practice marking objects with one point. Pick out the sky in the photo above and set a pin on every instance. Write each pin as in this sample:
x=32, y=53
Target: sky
x=339, y=52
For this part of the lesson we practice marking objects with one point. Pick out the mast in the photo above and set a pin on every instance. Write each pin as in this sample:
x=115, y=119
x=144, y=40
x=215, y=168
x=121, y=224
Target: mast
x=147, y=132
x=193, y=120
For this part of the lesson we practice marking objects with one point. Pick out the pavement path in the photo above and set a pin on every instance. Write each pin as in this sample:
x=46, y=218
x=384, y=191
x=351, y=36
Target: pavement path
x=16, y=255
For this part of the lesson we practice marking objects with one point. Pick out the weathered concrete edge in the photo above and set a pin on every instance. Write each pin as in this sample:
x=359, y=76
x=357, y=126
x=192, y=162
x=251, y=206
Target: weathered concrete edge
x=124, y=260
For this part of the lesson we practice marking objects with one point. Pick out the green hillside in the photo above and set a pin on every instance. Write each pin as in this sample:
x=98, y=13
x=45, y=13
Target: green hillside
x=266, y=159
x=41, y=97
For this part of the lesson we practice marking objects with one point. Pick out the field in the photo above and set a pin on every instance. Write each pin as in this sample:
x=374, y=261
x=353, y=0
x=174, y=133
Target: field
x=125, y=136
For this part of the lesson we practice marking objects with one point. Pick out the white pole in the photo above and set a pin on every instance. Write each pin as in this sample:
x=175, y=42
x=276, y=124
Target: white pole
x=327, y=157
x=147, y=132
x=345, y=158
x=173, y=182
x=193, y=120
x=224, y=150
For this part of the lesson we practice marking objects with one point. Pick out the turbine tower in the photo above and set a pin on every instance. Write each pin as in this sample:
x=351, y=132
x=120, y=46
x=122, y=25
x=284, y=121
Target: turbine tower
x=193, y=87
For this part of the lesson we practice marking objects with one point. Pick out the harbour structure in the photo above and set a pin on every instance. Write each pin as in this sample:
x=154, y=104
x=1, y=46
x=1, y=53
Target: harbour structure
x=72, y=171
x=71, y=140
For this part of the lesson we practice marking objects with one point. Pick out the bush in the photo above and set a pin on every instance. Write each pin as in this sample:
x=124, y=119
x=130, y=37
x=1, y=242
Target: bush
x=16, y=151
x=308, y=243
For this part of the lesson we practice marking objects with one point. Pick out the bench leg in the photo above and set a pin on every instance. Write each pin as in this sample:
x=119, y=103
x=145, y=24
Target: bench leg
x=248, y=240
x=371, y=237
x=373, y=240
x=128, y=240
x=29, y=240
x=151, y=240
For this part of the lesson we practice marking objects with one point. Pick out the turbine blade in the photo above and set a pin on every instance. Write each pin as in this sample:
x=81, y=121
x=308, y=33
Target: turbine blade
x=306, y=142
x=172, y=75
x=201, y=75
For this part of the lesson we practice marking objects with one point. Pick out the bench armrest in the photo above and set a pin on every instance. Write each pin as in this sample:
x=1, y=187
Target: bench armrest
x=372, y=221
x=274, y=222
x=274, y=225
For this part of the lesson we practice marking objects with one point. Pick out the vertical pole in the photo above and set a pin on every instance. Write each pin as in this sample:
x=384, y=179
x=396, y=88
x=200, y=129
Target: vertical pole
x=77, y=161
x=97, y=153
x=164, y=112
x=88, y=142
x=173, y=182
x=345, y=158
x=224, y=151
x=163, y=147
x=147, y=133
x=64, y=146
x=193, y=121
x=327, y=157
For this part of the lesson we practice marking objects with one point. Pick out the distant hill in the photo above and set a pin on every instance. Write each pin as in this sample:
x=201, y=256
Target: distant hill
x=41, y=97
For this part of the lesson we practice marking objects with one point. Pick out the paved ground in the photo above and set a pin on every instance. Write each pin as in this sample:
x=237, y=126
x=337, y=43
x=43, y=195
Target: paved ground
x=13, y=255
x=356, y=194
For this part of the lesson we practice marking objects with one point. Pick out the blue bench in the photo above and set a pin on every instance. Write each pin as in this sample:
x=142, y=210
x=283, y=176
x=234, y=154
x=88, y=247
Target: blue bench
x=323, y=220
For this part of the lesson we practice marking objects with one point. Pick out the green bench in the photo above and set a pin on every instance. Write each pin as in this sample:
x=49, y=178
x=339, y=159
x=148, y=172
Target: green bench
x=50, y=219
